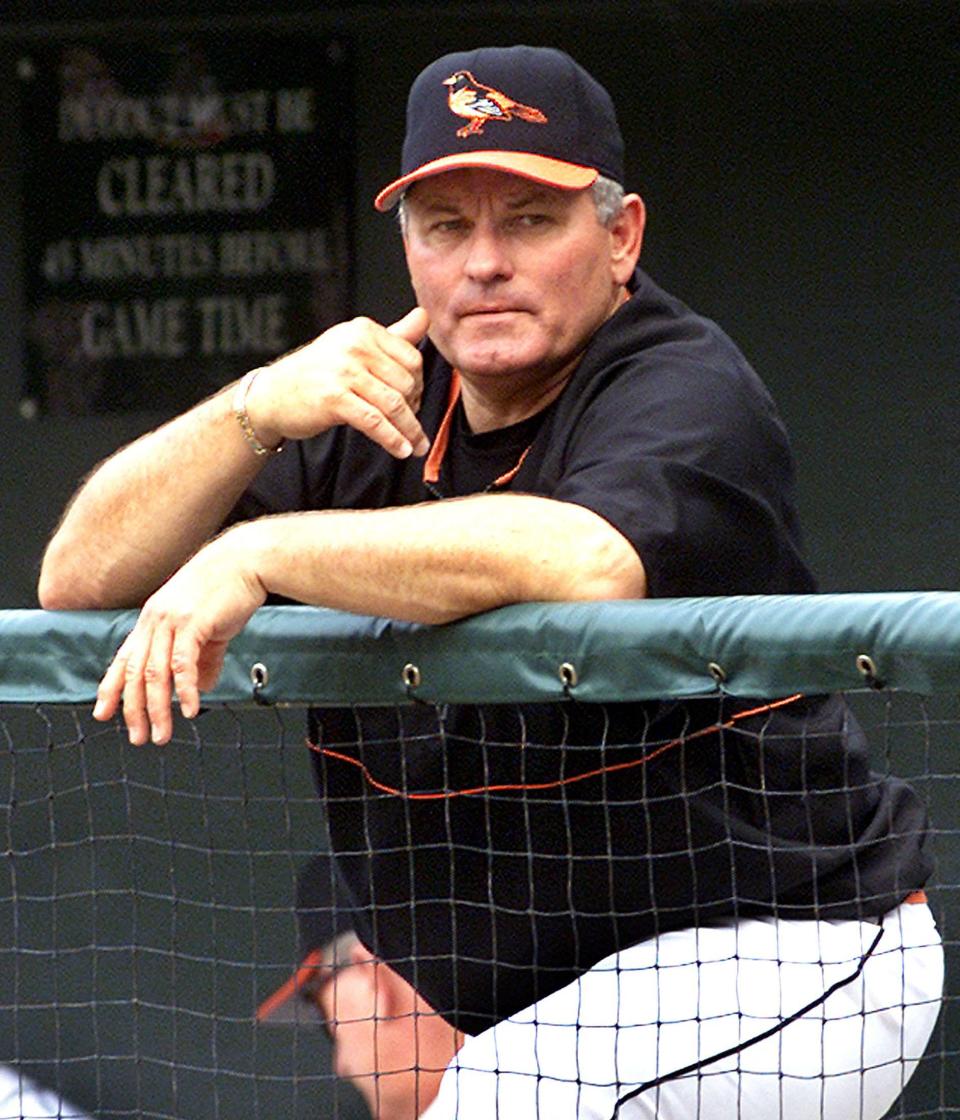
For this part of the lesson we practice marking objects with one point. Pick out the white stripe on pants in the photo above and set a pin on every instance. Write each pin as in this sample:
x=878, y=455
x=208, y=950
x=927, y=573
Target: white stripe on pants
x=688, y=996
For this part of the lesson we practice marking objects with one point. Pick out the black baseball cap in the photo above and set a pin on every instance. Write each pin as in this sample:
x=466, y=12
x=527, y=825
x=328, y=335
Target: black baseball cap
x=325, y=920
x=530, y=111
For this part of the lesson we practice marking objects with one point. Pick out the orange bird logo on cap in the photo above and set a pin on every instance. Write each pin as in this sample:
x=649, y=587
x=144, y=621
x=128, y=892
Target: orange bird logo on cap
x=479, y=103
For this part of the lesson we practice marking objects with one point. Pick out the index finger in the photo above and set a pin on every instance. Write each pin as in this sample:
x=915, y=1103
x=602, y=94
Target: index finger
x=391, y=351
x=111, y=687
x=184, y=665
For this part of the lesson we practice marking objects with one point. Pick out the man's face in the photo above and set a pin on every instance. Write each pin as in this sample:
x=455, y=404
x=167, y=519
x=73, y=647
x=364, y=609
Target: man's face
x=386, y=1040
x=348, y=1002
x=516, y=276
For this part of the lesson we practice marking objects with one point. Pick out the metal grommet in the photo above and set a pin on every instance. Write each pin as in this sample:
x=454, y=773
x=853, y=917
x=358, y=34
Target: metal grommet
x=259, y=678
x=411, y=675
x=568, y=675
x=717, y=672
x=867, y=668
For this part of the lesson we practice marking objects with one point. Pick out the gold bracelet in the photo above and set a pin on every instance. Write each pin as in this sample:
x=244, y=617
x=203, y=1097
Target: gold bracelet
x=240, y=411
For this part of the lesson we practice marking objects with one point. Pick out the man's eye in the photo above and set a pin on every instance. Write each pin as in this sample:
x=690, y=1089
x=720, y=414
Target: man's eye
x=528, y=221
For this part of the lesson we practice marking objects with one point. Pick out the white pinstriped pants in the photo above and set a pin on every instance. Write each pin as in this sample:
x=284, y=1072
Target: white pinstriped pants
x=760, y=1019
x=21, y=1098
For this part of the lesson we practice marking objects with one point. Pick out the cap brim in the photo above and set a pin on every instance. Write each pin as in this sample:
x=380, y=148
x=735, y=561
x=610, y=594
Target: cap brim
x=541, y=169
x=288, y=1005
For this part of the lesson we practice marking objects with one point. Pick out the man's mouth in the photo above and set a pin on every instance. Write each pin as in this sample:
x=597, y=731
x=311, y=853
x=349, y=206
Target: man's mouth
x=490, y=310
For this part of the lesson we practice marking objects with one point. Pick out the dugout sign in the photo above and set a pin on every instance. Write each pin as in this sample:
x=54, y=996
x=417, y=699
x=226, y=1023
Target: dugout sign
x=186, y=213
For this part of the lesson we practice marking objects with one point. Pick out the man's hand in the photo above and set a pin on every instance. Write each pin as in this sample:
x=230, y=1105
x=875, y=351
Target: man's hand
x=357, y=373
x=180, y=639
x=148, y=508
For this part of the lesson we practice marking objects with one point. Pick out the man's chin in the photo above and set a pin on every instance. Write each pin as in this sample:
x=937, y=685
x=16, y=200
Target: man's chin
x=502, y=360
x=489, y=350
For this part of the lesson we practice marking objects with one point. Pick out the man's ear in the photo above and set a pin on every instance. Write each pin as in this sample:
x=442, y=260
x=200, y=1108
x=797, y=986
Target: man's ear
x=626, y=234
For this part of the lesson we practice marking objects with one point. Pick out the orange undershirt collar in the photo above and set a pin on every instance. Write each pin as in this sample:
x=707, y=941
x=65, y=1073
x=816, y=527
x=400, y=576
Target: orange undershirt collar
x=438, y=449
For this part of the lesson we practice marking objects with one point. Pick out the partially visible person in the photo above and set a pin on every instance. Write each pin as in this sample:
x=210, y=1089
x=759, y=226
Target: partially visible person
x=387, y=1040
x=22, y=1098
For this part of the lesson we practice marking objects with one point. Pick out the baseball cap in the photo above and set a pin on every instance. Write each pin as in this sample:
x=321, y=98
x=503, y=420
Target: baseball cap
x=325, y=919
x=531, y=111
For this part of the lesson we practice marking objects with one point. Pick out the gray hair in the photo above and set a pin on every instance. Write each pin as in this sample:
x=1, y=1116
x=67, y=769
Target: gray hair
x=607, y=198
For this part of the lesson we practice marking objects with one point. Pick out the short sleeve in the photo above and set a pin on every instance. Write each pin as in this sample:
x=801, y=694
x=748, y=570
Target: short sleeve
x=692, y=466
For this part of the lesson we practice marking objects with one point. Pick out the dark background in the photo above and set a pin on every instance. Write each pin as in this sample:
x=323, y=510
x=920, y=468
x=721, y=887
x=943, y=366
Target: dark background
x=800, y=165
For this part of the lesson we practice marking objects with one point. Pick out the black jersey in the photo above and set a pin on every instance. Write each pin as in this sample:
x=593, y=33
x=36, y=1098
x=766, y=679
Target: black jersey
x=599, y=825
x=663, y=429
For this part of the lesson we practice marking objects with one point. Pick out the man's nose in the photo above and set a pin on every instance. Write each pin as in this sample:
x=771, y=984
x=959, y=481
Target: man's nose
x=488, y=258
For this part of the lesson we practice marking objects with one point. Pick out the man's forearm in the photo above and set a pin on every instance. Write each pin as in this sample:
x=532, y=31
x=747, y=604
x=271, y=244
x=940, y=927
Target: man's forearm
x=142, y=512
x=429, y=563
x=147, y=509
x=442, y=560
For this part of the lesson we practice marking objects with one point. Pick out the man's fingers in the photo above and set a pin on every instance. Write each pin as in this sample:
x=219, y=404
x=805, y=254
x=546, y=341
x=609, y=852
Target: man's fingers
x=210, y=664
x=305, y=392
x=139, y=676
x=111, y=688
x=398, y=410
x=393, y=383
x=156, y=677
x=142, y=678
x=391, y=356
x=413, y=326
x=134, y=690
x=179, y=640
x=406, y=379
x=374, y=413
x=183, y=664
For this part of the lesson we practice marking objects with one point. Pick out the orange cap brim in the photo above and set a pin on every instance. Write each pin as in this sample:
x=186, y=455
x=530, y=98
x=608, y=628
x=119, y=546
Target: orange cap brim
x=541, y=169
x=286, y=1005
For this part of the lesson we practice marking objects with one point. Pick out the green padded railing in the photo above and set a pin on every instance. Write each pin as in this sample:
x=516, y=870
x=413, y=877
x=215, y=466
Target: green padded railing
x=746, y=645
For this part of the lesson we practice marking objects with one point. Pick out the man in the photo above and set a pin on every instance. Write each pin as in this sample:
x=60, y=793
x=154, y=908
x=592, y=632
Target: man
x=386, y=1039
x=648, y=909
